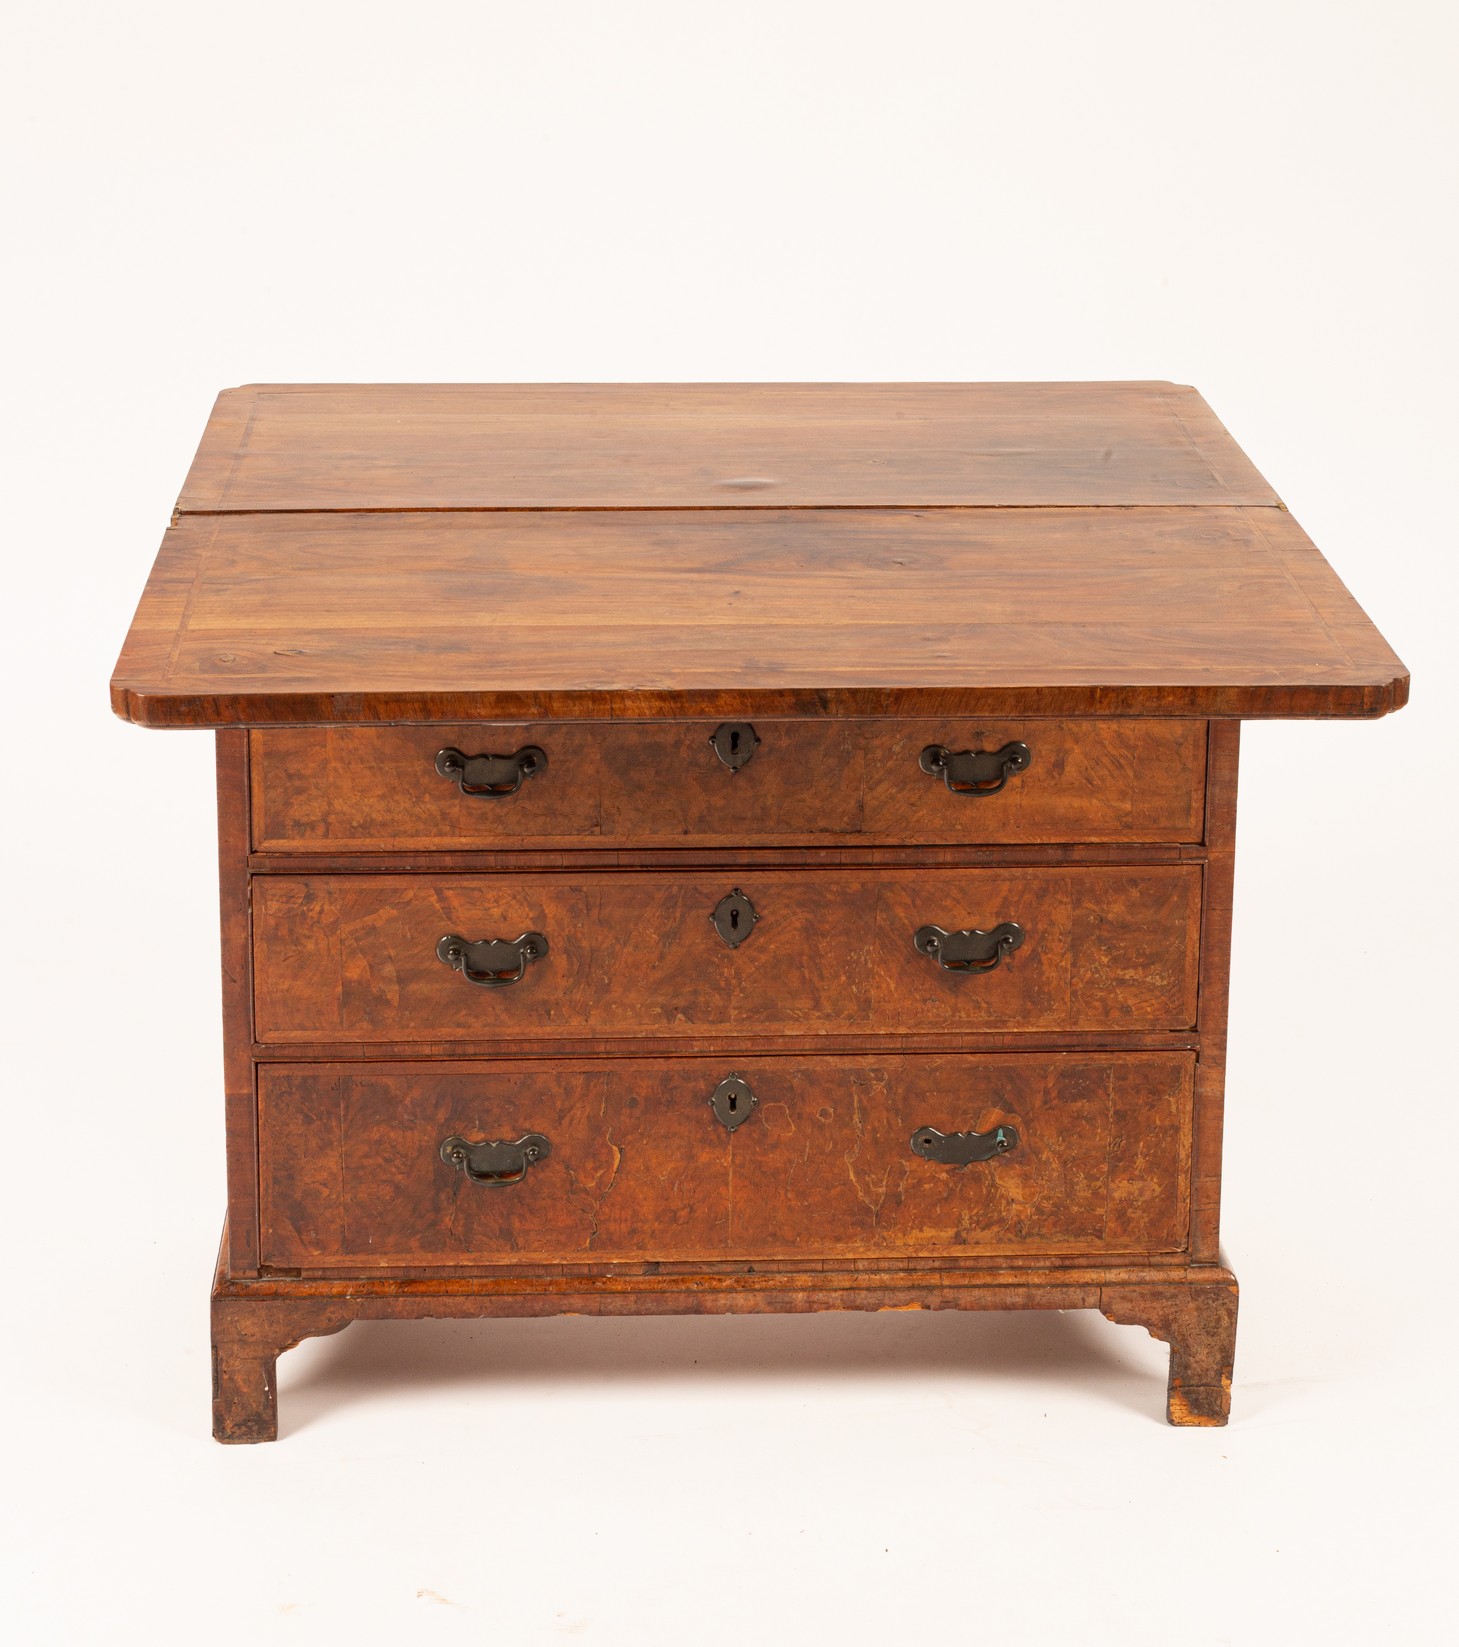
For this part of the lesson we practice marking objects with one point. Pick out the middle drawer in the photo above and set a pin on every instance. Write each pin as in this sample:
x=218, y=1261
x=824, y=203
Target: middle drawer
x=379, y=959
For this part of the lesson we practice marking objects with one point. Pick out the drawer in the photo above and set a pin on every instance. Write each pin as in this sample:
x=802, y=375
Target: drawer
x=633, y=1163
x=357, y=958
x=377, y=789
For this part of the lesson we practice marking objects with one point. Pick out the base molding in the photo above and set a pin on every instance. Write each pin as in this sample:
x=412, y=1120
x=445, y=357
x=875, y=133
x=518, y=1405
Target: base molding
x=1190, y=1307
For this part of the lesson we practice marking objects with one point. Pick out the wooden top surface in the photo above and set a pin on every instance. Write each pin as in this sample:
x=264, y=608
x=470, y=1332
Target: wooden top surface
x=714, y=446
x=336, y=617
x=361, y=555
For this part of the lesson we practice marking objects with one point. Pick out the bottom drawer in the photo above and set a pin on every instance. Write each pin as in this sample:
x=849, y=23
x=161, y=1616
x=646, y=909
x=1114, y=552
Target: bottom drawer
x=636, y=1159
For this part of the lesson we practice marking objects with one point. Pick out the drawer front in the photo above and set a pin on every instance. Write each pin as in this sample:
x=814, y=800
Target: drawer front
x=377, y=789
x=635, y=1164
x=356, y=958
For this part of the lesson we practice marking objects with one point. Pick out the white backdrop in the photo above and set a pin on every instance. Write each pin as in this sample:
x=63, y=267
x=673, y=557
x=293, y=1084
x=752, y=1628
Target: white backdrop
x=1257, y=198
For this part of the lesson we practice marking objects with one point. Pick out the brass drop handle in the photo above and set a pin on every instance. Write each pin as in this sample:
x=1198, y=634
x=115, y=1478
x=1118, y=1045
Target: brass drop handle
x=495, y=776
x=970, y=950
x=494, y=1161
x=958, y=1149
x=491, y=963
x=975, y=771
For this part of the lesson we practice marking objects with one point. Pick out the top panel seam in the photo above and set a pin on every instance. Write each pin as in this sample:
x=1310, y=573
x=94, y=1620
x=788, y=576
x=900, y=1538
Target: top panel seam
x=724, y=508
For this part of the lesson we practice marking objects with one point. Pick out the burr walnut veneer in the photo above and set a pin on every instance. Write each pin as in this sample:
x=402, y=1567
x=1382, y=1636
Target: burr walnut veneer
x=738, y=847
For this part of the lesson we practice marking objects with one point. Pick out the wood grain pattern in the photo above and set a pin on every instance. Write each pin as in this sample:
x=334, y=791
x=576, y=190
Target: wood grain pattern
x=639, y=1167
x=1215, y=987
x=322, y=860
x=1199, y=1324
x=888, y=1266
x=239, y=1107
x=255, y=1321
x=521, y=616
x=344, y=619
x=248, y=1336
x=352, y=958
x=376, y=789
x=676, y=445
x=447, y=553
x=359, y=576
x=874, y=1038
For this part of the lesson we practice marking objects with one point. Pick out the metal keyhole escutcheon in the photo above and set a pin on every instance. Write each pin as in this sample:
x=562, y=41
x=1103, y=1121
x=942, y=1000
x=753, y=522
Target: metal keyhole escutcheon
x=732, y=1101
x=735, y=743
x=734, y=917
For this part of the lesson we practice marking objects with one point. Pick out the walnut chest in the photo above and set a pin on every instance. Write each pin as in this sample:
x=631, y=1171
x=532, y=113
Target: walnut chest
x=728, y=847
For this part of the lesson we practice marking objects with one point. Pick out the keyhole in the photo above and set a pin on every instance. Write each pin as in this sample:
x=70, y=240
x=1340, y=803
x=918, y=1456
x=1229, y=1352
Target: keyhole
x=734, y=918
x=734, y=744
x=734, y=1103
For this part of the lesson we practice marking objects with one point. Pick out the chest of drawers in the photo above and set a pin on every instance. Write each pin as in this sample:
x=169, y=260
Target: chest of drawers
x=714, y=848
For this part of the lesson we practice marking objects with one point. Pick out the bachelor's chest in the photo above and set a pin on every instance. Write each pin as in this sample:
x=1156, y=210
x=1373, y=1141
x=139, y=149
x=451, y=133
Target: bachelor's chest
x=737, y=847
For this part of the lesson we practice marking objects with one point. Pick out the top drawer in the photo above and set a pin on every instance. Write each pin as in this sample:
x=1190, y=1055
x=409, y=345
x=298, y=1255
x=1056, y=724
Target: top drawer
x=666, y=784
